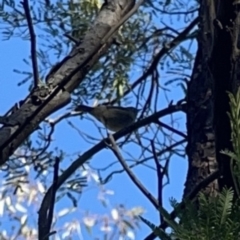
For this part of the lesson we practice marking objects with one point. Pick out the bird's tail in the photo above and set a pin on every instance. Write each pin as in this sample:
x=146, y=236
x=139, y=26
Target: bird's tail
x=83, y=108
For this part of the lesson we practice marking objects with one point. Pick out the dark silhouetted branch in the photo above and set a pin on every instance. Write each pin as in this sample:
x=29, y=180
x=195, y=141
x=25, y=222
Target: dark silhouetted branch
x=140, y=186
x=47, y=207
x=33, y=42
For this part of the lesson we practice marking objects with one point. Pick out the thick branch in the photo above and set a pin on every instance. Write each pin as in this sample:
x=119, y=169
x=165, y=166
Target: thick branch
x=63, y=79
x=225, y=66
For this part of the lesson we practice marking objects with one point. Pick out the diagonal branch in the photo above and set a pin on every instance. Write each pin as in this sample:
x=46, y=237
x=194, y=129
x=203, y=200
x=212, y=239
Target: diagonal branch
x=171, y=129
x=160, y=176
x=140, y=186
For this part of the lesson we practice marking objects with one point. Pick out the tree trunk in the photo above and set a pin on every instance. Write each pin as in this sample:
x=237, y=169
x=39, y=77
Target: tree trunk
x=215, y=72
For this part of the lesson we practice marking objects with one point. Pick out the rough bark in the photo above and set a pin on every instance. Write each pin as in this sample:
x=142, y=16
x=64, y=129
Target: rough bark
x=201, y=136
x=22, y=120
x=224, y=65
x=216, y=71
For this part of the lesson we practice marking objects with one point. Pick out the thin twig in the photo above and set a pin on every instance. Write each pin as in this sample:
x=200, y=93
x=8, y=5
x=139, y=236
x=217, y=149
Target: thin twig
x=178, y=39
x=73, y=39
x=171, y=129
x=167, y=149
x=62, y=117
x=140, y=186
x=33, y=42
x=159, y=177
x=47, y=139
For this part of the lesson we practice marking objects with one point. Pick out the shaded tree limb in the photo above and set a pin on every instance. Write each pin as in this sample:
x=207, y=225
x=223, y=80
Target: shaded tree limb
x=139, y=185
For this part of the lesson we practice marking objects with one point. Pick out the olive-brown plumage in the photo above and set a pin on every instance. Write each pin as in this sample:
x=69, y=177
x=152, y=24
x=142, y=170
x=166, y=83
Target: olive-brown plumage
x=113, y=118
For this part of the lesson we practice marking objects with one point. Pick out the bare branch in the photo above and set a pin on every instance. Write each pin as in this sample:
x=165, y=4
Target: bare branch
x=47, y=207
x=33, y=42
x=171, y=129
x=178, y=39
x=159, y=177
x=140, y=186
x=167, y=149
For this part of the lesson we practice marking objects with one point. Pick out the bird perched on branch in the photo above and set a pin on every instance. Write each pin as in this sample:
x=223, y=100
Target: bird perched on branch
x=113, y=118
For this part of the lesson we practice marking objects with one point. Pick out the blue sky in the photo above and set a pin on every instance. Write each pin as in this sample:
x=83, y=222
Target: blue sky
x=66, y=138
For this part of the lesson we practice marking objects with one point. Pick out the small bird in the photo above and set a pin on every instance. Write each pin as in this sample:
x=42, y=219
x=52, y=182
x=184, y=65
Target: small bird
x=113, y=118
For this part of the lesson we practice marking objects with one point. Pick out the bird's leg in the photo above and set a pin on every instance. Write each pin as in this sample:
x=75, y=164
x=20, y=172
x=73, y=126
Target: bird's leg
x=109, y=136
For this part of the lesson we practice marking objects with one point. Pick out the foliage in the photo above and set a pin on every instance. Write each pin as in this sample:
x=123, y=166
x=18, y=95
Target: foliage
x=214, y=218
x=234, y=116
